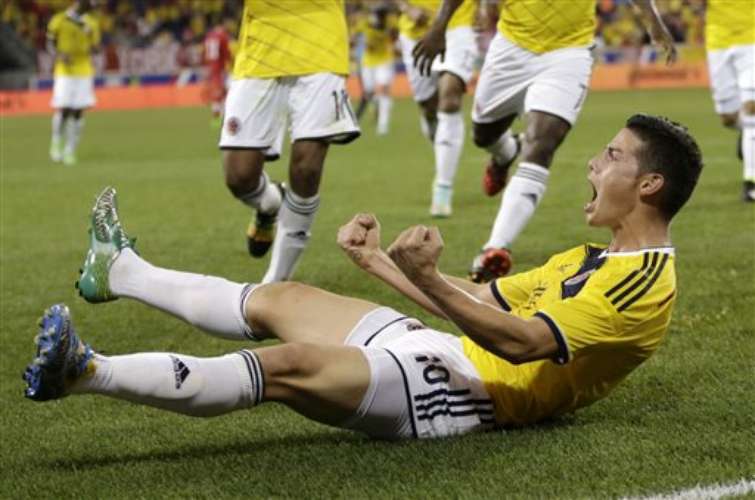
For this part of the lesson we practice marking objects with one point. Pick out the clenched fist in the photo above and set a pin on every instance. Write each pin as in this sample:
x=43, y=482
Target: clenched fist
x=360, y=239
x=416, y=252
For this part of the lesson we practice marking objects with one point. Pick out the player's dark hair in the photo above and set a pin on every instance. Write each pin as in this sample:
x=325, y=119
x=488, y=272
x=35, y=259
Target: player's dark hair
x=670, y=150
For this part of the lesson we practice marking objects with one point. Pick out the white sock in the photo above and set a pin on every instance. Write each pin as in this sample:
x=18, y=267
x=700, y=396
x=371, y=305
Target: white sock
x=449, y=140
x=73, y=134
x=212, y=304
x=266, y=198
x=520, y=198
x=199, y=387
x=384, y=103
x=294, y=221
x=504, y=149
x=748, y=146
x=57, y=126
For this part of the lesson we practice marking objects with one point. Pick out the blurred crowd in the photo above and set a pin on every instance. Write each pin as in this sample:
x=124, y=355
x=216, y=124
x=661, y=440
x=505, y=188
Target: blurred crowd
x=179, y=26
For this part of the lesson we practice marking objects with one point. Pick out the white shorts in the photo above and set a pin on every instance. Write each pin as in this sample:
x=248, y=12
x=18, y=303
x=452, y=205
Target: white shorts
x=732, y=77
x=513, y=80
x=316, y=107
x=75, y=92
x=460, y=57
x=377, y=76
x=421, y=383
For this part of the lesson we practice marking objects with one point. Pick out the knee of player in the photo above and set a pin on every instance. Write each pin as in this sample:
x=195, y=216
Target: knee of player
x=748, y=108
x=239, y=179
x=266, y=300
x=450, y=101
x=288, y=367
x=730, y=120
x=481, y=137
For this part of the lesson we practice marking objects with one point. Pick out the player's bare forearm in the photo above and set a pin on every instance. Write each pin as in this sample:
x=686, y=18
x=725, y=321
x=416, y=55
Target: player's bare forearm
x=657, y=29
x=446, y=11
x=383, y=268
x=515, y=339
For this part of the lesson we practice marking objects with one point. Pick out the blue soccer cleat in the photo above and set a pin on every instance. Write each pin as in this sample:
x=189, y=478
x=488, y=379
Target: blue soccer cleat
x=61, y=357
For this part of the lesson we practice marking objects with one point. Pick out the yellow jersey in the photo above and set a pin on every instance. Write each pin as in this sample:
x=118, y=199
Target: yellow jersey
x=608, y=312
x=75, y=37
x=542, y=25
x=729, y=23
x=292, y=38
x=464, y=16
x=378, y=40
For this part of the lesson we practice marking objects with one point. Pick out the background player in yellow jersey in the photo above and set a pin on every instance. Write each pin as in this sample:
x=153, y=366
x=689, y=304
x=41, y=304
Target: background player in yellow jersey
x=291, y=66
x=730, y=43
x=379, y=32
x=439, y=88
x=539, y=64
x=538, y=344
x=72, y=35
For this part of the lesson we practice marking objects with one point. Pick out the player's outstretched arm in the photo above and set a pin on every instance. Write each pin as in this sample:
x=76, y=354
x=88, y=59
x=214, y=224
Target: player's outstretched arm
x=657, y=30
x=433, y=44
x=416, y=251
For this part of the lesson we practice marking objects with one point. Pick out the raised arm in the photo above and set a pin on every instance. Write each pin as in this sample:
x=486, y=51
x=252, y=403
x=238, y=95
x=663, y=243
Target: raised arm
x=416, y=253
x=657, y=30
x=360, y=239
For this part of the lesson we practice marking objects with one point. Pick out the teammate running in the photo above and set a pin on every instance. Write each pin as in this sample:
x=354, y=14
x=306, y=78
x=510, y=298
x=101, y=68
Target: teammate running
x=217, y=58
x=539, y=64
x=291, y=66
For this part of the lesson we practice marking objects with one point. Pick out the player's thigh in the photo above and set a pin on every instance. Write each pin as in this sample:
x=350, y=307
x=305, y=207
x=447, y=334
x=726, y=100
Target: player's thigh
x=561, y=83
x=423, y=87
x=422, y=386
x=744, y=64
x=368, y=78
x=723, y=81
x=254, y=113
x=461, y=54
x=384, y=75
x=504, y=78
x=319, y=109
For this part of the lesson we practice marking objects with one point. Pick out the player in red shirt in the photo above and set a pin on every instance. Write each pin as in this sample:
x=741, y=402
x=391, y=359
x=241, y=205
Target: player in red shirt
x=217, y=57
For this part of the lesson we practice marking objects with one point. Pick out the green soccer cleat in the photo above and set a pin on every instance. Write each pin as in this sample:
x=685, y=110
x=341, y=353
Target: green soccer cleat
x=106, y=241
x=69, y=159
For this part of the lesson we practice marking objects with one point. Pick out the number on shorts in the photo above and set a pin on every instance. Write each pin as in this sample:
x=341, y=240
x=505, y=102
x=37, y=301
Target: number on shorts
x=434, y=372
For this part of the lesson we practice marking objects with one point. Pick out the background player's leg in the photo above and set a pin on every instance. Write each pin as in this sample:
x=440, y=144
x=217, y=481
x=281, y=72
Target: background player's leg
x=496, y=138
x=384, y=104
x=56, y=141
x=544, y=134
x=300, y=204
x=74, y=126
x=428, y=117
x=748, y=149
x=448, y=142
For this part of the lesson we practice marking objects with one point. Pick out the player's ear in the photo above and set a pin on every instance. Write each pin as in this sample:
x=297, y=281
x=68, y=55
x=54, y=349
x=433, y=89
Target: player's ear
x=651, y=183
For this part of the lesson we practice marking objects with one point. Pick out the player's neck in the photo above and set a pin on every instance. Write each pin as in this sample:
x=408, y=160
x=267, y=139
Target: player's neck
x=636, y=233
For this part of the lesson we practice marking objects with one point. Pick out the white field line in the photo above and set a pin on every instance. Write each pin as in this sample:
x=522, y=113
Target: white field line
x=711, y=492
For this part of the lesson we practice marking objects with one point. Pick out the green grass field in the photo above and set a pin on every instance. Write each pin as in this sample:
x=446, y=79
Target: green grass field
x=683, y=418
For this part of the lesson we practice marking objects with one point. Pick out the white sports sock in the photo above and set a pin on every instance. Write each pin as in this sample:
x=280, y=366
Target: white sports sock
x=73, y=134
x=212, y=304
x=504, y=149
x=294, y=221
x=266, y=198
x=57, y=126
x=199, y=387
x=384, y=103
x=449, y=140
x=748, y=146
x=520, y=198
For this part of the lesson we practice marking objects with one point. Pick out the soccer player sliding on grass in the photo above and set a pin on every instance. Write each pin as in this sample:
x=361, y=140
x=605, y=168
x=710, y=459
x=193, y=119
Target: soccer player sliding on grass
x=538, y=344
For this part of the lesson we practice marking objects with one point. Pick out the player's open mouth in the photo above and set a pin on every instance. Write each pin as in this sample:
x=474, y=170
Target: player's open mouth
x=590, y=206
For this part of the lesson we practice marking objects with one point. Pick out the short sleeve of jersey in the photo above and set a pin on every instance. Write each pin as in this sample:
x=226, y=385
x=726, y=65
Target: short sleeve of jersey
x=582, y=322
x=514, y=290
x=53, y=27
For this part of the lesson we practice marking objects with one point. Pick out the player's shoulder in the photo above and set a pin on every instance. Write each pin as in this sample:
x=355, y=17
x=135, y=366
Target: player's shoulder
x=629, y=278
